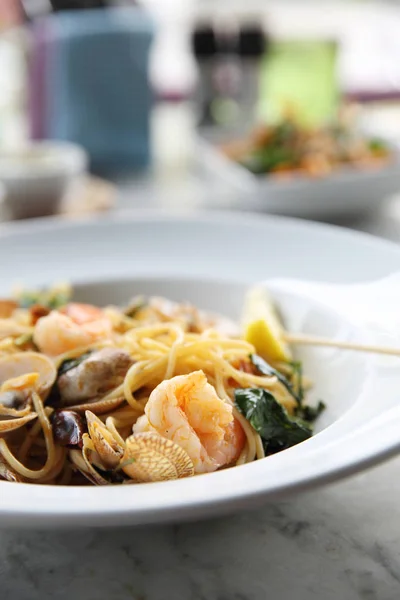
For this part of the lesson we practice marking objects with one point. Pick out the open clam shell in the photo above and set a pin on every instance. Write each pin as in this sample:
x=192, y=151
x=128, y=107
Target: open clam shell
x=81, y=460
x=150, y=457
x=8, y=474
x=98, y=407
x=107, y=447
x=6, y=412
x=17, y=365
x=7, y=424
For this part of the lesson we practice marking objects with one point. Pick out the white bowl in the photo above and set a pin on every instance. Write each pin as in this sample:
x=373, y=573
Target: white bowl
x=2, y=194
x=37, y=176
x=210, y=260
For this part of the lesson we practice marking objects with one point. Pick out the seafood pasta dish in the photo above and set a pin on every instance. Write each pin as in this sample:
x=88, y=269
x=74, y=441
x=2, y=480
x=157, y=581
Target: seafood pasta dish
x=152, y=391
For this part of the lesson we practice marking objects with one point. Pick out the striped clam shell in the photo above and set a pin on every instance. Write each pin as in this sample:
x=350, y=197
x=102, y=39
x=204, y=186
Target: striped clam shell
x=150, y=457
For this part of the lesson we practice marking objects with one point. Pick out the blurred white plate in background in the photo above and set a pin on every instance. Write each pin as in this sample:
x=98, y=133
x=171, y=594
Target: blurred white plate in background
x=346, y=193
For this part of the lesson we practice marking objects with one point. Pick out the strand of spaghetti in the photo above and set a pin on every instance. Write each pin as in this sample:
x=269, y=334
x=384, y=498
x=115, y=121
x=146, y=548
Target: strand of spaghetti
x=242, y=460
x=141, y=373
x=151, y=344
x=173, y=353
x=152, y=331
x=244, y=379
x=192, y=338
x=60, y=455
x=133, y=378
x=254, y=443
x=151, y=370
x=210, y=333
x=48, y=435
x=222, y=343
x=248, y=430
x=31, y=437
x=202, y=351
x=259, y=447
x=147, y=355
x=12, y=412
x=28, y=441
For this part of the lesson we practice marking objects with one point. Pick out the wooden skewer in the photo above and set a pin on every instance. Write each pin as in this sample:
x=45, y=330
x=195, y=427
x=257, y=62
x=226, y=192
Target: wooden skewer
x=310, y=340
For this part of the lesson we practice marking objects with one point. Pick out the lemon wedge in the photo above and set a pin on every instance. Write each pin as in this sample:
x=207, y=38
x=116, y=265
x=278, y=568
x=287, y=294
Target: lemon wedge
x=262, y=327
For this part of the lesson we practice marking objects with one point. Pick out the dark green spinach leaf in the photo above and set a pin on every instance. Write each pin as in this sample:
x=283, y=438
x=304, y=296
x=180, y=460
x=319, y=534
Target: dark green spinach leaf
x=297, y=379
x=270, y=419
x=310, y=414
x=266, y=369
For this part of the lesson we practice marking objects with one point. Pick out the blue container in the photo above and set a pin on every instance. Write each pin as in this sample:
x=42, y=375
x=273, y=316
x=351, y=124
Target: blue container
x=97, y=86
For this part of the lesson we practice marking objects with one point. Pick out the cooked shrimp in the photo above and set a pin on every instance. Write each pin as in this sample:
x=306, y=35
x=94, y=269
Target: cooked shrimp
x=76, y=325
x=187, y=410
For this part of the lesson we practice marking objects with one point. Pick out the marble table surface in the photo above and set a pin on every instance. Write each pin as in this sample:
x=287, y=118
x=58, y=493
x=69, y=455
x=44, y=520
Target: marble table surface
x=335, y=543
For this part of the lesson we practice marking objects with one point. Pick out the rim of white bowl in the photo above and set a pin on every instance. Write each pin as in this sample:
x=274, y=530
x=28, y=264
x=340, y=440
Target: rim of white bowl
x=30, y=504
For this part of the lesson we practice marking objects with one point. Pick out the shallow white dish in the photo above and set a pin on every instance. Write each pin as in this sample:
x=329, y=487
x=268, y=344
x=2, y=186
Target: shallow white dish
x=210, y=259
x=346, y=193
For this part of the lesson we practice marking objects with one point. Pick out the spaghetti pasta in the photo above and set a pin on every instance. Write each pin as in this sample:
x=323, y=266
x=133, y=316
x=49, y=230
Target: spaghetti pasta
x=164, y=370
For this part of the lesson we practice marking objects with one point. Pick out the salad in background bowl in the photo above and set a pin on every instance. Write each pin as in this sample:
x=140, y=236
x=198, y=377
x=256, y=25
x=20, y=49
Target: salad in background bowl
x=288, y=150
x=328, y=173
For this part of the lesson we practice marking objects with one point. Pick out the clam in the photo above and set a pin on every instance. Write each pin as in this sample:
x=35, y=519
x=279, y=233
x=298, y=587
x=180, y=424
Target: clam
x=8, y=474
x=98, y=407
x=100, y=372
x=81, y=460
x=27, y=371
x=9, y=423
x=89, y=464
x=106, y=445
x=150, y=457
x=13, y=404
